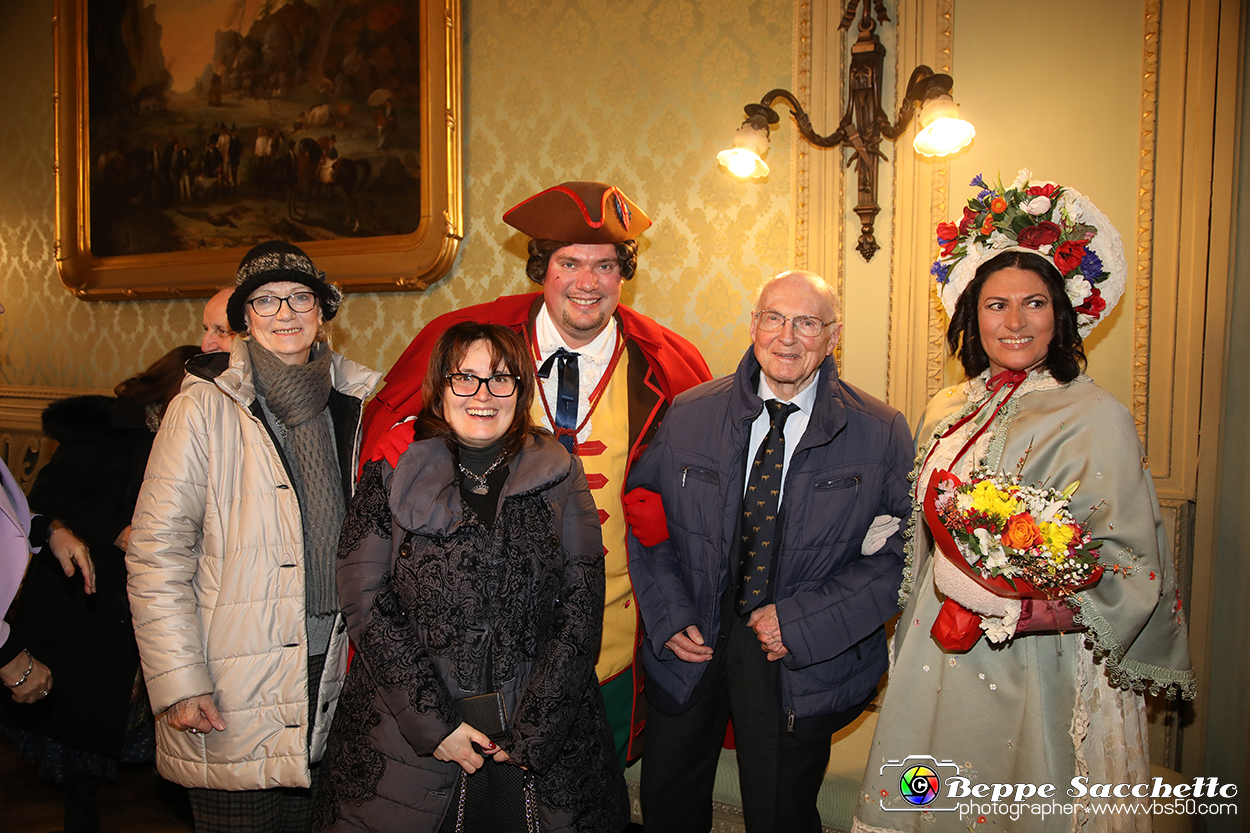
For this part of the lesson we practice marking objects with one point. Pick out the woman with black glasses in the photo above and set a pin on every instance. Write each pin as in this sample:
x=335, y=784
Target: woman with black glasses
x=232, y=552
x=471, y=575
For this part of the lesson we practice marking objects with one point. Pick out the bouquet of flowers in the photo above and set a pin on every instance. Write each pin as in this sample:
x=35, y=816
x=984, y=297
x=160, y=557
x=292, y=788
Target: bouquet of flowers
x=1013, y=540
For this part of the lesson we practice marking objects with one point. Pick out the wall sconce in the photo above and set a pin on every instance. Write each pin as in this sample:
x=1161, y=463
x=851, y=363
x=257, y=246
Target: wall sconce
x=864, y=125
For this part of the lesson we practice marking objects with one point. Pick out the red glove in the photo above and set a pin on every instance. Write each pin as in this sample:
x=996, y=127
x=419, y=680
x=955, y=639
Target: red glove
x=956, y=628
x=394, y=443
x=644, y=512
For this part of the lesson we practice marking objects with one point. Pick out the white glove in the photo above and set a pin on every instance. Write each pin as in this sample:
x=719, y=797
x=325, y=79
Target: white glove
x=883, y=526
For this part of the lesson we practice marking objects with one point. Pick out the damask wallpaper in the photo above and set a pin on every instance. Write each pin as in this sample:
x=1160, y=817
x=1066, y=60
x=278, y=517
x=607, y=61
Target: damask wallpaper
x=641, y=95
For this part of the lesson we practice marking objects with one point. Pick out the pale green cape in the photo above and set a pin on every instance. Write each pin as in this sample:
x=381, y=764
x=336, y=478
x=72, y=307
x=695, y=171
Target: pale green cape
x=1004, y=713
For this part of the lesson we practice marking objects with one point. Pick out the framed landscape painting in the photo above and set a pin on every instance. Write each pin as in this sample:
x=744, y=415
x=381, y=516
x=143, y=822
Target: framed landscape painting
x=190, y=130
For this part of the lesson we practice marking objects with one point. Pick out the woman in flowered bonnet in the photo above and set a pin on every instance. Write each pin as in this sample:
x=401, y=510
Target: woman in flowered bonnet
x=1054, y=689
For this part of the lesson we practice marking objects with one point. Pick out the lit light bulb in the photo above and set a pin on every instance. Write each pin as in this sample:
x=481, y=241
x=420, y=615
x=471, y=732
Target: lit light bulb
x=741, y=162
x=943, y=131
x=944, y=137
x=745, y=159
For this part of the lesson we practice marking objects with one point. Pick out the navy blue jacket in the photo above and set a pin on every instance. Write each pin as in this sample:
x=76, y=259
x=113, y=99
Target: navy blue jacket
x=850, y=466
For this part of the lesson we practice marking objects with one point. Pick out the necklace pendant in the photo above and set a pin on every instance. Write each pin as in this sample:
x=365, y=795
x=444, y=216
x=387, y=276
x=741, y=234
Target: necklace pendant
x=479, y=489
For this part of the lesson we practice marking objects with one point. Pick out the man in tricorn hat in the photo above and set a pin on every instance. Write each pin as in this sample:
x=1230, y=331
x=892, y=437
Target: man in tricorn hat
x=608, y=376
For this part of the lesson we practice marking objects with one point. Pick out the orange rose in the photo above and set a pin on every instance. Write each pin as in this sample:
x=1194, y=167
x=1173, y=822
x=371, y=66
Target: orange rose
x=1022, y=532
x=998, y=205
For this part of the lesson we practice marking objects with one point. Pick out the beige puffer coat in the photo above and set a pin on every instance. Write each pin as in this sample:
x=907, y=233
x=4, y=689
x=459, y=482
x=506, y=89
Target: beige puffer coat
x=217, y=579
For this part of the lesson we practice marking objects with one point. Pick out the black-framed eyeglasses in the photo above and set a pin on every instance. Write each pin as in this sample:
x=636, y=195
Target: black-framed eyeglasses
x=805, y=325
x=466, y=384
x=267, y=306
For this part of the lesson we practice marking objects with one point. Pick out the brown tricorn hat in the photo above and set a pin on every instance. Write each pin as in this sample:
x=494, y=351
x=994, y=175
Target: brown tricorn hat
x=579, y=212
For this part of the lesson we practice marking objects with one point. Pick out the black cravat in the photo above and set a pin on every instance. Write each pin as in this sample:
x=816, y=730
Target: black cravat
x=759, y=510
x=566, y=396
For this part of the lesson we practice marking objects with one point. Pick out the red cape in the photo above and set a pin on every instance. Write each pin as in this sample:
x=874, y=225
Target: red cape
x=674, y=362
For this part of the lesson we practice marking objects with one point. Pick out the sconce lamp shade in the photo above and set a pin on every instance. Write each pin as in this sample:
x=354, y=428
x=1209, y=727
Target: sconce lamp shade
x=745, y=159
x=942, y=131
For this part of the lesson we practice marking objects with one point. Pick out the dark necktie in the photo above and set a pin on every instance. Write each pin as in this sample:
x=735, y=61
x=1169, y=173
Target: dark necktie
x=759, y=510
x=566, y=396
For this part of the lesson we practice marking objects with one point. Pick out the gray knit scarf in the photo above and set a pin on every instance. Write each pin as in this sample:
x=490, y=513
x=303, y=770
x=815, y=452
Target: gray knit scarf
x=298, y=395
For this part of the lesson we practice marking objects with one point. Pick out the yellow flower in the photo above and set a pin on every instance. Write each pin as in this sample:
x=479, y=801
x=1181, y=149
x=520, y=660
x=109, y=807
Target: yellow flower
x=1057, y=537
x=989, y=500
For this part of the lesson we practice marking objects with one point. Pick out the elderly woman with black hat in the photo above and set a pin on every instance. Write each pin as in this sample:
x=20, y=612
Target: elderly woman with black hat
x=232, y=552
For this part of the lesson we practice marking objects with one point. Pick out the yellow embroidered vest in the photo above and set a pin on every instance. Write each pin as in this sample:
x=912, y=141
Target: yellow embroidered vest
x=603, y=455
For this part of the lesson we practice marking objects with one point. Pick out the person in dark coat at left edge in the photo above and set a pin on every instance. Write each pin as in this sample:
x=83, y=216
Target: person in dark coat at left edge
x=98, y=715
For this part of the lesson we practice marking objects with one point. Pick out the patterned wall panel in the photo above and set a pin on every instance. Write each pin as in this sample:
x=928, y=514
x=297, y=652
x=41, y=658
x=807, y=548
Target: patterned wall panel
x=640, y=94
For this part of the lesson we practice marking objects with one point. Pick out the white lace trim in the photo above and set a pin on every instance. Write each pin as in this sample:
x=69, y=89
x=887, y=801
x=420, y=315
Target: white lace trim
x=1110, y=742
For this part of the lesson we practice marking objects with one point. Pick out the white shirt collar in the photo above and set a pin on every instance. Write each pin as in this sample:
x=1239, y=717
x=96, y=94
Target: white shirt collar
x=805, y=399
x=599, y=351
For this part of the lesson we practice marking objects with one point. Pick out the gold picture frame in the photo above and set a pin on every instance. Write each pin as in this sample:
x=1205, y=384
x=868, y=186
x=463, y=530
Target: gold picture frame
x=383, y=262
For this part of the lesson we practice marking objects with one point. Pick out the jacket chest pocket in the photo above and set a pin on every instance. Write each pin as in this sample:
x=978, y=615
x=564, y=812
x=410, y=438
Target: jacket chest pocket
x=695, y=506
x=831, y=509
x=846, y=481
x=697, y=473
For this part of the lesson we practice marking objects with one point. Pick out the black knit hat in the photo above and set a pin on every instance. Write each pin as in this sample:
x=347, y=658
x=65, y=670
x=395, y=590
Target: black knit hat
x=276, y=261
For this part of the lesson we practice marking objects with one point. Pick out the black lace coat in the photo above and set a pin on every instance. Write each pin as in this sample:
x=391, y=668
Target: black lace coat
x=418, y=613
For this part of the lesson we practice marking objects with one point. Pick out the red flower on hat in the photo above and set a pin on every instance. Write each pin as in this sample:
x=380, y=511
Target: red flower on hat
x=1047, y=190
x=1068, y=256
x=966, y=222
x=1094, y=305
x=1042, y=234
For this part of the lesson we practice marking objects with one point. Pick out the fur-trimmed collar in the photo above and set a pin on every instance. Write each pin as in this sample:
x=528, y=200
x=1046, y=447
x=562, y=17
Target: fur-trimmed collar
x=425, y=494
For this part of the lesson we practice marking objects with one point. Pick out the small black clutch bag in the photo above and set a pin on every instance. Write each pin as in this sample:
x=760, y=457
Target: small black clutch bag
x=486, y=713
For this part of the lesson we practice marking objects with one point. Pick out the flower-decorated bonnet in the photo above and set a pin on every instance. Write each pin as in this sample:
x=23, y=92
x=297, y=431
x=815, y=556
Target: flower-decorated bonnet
x=1051, y=220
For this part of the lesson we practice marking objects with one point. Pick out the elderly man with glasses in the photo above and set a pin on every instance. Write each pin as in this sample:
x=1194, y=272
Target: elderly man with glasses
x=783, y=486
